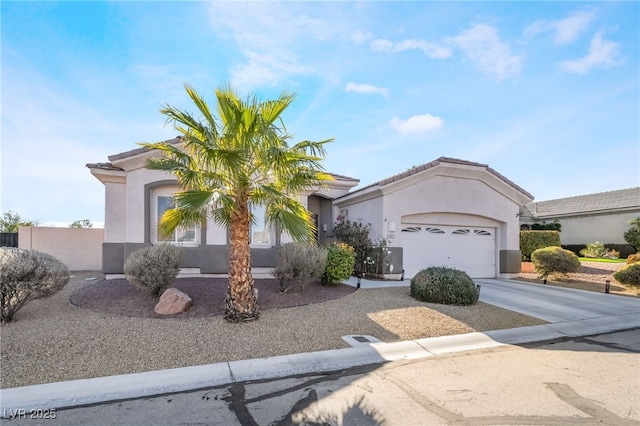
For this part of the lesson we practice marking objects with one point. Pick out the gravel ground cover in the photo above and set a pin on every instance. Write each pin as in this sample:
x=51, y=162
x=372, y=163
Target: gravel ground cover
x=53, y=340
x=591, y=276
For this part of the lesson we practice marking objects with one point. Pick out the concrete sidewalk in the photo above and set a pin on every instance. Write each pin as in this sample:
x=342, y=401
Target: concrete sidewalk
x=611, y=313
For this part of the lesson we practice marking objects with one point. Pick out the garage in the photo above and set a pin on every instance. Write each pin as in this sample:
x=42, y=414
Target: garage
x=448, y=212
x=470, y=249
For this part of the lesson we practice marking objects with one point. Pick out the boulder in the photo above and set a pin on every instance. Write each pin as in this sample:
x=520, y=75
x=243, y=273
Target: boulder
x=172, y=301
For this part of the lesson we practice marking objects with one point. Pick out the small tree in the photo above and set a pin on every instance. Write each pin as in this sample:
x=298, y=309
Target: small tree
x=632, y=236
x=84, y=223
x=356, y=235
x=10, y=221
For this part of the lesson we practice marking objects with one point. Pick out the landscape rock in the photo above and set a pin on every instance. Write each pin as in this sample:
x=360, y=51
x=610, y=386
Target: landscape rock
x=172, y=301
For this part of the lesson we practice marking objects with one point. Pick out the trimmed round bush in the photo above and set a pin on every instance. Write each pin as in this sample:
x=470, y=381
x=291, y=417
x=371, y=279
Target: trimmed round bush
x=554, y=261
x=448, y=286
x=341, y=259
x=153, y=269
x=27, y=275
x=629, y=275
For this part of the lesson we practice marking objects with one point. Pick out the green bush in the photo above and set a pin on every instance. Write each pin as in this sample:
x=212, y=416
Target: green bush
x=153, y=269
x=554, y=226
x=624, y=250
x=594, y=250
x=439, y=284
x=531, y=241
x=340, y=260
x=554, y=261
x=630, y=274
x=355, y=234
x=27, y=275
x=301, y=263
x=632, y=236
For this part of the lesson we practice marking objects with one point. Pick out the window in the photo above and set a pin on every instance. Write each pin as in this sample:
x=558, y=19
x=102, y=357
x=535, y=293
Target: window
x=412, y=229
x=260, y=233
x=163, y=201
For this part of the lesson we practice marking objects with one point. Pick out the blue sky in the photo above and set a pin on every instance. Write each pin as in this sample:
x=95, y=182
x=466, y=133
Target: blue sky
x=545, y=93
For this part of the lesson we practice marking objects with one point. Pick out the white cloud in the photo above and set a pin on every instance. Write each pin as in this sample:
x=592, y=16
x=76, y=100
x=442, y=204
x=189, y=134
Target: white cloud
x=381, y=45
x=360, y=37
x=432, y=50
x=416, y=124
x=268, y=44
x=602, y=54
x=483, y=47
x=366, y=88
x=565, y=30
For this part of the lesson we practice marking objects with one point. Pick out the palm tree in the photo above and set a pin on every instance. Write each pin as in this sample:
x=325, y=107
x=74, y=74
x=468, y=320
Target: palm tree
x=229, y=163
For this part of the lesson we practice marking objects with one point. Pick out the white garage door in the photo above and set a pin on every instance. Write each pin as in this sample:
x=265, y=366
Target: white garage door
x=470, y=249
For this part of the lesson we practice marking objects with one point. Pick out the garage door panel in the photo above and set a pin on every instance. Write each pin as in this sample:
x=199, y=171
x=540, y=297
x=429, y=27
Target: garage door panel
x=470, y=249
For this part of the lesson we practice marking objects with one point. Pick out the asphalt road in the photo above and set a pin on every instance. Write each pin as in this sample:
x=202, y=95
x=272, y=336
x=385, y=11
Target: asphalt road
x=585, y=380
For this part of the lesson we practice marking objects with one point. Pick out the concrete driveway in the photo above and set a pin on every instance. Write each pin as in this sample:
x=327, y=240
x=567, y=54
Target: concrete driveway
x=554, y=304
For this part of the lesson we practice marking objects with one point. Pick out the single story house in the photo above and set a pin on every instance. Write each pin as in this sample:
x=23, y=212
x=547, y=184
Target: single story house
x=447, y=212
x=587, y=218
x=136, y=197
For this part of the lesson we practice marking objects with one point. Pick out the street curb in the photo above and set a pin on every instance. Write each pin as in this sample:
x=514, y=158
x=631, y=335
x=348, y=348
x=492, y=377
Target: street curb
x=74, y=393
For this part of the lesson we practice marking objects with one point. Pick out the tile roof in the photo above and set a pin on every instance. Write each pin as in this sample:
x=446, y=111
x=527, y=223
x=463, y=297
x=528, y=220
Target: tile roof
x=426, y=166
x=590, y=203
x=137, y=151
x=177, y=139
x=103, y=166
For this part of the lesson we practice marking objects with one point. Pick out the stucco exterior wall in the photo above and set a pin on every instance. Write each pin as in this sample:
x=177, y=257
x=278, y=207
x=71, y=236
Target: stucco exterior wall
x=444, y=195
x=115, y=225
x=607, y=228
x=455, y=201
x=136, y=207
x=78, y=248
x=368, y=211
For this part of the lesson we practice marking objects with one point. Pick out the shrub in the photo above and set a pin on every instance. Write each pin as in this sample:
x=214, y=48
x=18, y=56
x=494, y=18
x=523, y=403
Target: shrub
x=593, y=250
x=153, y=269
x=378, y=258
x=355, y=234
x=633, y=258
x=624, y=250
x=554, y=260
x=630, y=274
x=340, y=260
x=531, y=241
x=554, y=226
x=27, y=275
x=632, y=236
x=299, y=262
x=439, y=284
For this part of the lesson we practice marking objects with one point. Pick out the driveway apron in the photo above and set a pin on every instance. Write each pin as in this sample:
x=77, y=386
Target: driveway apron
x=554, y=304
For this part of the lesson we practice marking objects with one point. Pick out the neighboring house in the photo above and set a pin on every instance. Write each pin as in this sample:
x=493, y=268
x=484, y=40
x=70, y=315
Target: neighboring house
x=136, y=197
x=447, y=212
x=587, y=218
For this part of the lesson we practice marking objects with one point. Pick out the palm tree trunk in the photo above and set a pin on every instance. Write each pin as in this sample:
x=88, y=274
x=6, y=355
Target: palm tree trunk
x=242, y=299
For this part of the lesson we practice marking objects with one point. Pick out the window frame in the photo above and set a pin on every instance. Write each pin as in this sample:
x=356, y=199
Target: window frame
x=267, y=231
x=156, y=195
